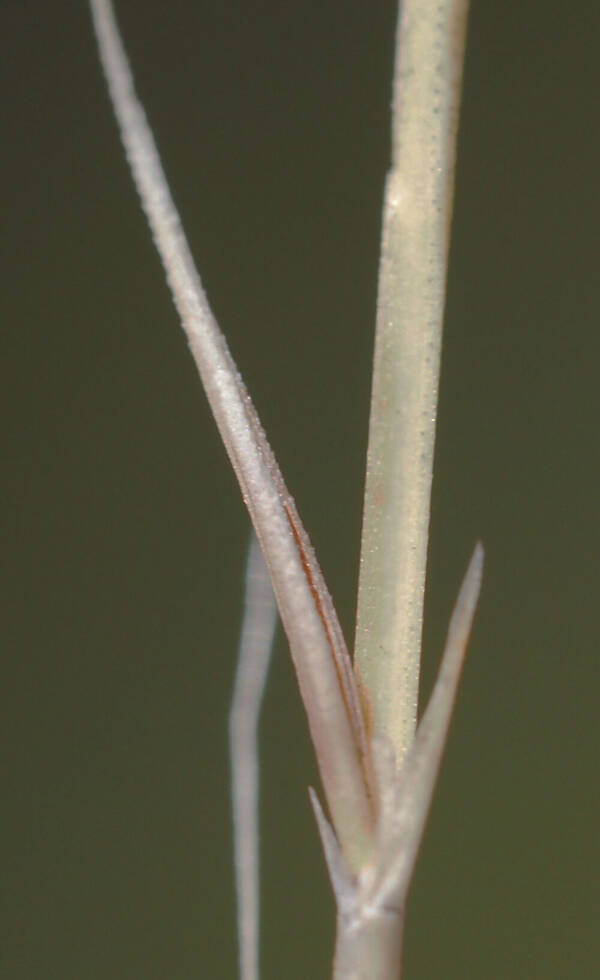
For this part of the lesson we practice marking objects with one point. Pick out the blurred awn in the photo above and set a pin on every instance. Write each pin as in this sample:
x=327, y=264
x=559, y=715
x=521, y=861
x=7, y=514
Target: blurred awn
x=256, y=641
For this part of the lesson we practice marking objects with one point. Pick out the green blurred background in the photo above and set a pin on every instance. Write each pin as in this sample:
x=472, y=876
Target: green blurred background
x=123, y=535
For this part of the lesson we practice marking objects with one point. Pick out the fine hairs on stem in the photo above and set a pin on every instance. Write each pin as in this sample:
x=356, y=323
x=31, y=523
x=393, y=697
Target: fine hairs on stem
x=377, y=775
x=417, y=210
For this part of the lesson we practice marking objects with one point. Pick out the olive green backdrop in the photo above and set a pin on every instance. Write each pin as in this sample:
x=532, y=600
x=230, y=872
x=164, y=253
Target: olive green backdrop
x=123, y=535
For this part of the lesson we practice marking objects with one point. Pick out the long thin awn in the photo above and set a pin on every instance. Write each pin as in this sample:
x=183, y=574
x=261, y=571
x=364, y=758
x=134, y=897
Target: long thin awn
x=256, y=641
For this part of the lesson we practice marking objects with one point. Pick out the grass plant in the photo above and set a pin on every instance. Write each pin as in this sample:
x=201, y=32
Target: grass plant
x=377, y=774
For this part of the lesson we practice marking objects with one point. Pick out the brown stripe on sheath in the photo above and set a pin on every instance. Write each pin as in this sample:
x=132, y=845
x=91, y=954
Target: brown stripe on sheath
x=357, y=725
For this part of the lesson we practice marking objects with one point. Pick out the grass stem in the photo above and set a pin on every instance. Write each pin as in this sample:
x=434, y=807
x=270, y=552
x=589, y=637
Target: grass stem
x=416, y=221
